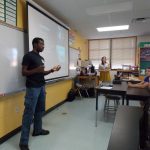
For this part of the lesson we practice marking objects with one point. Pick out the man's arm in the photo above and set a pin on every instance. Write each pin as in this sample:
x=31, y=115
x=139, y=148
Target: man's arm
x=48, y=72
x=26, y=72
x=56, y=68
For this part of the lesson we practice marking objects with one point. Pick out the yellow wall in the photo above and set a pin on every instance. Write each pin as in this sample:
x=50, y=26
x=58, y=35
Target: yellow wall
x=57, y=92
x=80, y=43
x=21, y=14
x=11, y=107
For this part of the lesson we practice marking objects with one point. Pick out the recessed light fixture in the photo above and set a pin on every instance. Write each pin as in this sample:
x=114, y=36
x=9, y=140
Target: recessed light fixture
x=113, y=28
x=143, y=19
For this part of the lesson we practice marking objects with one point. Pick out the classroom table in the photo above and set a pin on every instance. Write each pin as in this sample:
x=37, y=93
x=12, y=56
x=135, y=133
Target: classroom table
x=117, y=89
x=125, y=131
x=125, y=91
x=137, y=94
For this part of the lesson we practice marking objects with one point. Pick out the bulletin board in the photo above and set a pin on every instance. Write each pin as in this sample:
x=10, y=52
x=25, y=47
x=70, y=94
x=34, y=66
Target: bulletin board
x=144, y=57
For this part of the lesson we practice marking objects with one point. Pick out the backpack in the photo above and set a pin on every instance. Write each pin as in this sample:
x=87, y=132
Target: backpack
x=71, y=95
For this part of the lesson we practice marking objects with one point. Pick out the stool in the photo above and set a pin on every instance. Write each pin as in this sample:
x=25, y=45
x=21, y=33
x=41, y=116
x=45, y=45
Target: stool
x=107, y=106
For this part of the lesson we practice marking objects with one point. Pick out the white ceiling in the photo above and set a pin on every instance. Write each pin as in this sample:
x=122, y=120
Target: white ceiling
x=85, y=16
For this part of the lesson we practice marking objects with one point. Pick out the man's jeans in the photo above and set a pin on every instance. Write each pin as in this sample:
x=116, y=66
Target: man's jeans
x=34, y=107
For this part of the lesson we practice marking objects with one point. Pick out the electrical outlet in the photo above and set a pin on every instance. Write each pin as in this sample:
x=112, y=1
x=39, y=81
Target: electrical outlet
x=17, y=109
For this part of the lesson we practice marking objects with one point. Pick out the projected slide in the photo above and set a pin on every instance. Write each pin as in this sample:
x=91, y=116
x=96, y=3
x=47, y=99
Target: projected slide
x=55, y=38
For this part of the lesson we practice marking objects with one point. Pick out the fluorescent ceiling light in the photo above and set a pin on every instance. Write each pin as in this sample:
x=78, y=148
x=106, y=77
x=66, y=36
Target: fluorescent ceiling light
x=113, y=28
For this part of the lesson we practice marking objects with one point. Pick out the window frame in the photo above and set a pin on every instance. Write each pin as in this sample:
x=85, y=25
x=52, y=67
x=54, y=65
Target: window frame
x=111, y=39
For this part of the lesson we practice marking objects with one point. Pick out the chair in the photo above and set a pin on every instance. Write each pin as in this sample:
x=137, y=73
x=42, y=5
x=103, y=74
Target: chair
x=84, y=83
x=80, y=87
x=108, y=106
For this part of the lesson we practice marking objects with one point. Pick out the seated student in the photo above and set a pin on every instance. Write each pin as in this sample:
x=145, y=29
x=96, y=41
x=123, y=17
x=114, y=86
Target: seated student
x=143, y=84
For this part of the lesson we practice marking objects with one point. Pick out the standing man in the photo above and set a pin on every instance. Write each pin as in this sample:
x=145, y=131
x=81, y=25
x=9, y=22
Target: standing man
x=33, y=69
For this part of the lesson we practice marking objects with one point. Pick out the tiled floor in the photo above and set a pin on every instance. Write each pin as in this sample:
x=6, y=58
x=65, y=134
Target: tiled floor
x=72, y=127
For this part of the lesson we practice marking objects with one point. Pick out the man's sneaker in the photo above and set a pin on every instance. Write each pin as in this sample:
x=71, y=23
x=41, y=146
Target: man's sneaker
x=23, y=147
x=43, y=132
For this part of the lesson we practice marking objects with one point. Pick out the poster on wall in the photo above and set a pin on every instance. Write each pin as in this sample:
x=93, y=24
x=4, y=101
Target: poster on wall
x=145, y=54
x=144, y=57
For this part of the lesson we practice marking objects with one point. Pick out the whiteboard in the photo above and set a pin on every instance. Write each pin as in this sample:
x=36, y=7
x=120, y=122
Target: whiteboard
x=11, y=52
x=55, y=38
x=73, y=57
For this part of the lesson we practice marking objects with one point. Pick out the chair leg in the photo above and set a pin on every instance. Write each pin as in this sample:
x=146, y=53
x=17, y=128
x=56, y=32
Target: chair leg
x=87, y=92
x=115, y=105
x=79, y=93
x=106, y=104
x=108, y=107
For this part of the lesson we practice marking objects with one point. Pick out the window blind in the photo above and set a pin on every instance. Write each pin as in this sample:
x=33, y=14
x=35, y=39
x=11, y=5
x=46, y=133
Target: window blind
x=123, y=52
x=8, y=11
x=98, y=49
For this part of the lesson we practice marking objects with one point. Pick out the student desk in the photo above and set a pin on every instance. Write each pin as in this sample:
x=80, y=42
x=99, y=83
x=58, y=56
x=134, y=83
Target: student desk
x=125, y=132
x=125, y=91
x=117, y=89
x=137, y=94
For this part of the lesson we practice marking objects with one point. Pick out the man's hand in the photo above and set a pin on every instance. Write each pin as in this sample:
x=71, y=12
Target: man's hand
x=56, y=68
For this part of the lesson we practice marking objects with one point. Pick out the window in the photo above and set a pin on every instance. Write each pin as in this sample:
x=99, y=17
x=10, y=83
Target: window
x=123, y=52
x=119, y=51
x=8, y=11
x=98, y=49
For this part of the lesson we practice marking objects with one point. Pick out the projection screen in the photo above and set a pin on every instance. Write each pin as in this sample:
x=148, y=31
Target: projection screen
x=55, y=37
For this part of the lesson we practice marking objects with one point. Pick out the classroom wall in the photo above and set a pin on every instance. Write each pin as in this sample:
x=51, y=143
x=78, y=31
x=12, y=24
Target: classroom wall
x=80, y=43
x=11, y=107
x=21, y=14
x=143, y=38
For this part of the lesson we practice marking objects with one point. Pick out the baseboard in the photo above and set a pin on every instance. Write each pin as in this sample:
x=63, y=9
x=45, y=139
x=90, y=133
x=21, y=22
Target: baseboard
x=54, y=107
x=15, y=131
x=9, y=135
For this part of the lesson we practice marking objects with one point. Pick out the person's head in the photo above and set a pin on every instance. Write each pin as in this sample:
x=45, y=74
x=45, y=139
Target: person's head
x=103, y=60
x=38, y=44
x=148, y=71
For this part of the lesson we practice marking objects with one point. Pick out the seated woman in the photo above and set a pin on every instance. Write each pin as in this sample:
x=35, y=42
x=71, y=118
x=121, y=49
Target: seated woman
x=143, y=84
x=104, y=70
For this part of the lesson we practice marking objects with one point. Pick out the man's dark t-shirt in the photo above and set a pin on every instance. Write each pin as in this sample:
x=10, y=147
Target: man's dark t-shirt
x=33, y=60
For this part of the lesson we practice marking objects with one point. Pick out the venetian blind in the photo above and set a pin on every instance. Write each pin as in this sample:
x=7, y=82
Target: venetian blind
x=98, y=49
x=123, y=52
x=8, y=11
